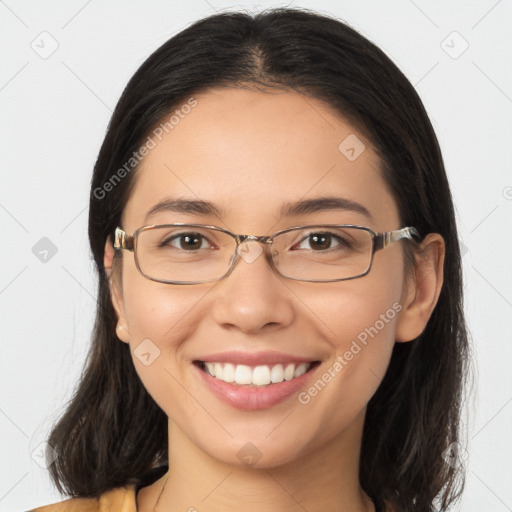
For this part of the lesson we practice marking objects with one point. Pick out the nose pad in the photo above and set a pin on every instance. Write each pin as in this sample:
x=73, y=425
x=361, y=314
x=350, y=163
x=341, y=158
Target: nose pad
x=250, y=250
x=250, y=253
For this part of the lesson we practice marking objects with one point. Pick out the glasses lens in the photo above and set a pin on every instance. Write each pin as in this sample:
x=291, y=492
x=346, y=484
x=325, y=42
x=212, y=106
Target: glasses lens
x=189, y=254
x=184, y=253
x=323, y=253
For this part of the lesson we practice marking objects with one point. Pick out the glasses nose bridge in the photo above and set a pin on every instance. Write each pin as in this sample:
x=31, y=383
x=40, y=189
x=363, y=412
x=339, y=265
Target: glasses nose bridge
x=263, y=239
x=266, y=240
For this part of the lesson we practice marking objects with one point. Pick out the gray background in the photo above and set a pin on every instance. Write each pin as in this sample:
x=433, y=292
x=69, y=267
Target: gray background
x=54, y=112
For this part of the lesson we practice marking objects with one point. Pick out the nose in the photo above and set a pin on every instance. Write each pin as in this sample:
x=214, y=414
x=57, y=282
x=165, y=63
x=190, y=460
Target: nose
x=253, y=297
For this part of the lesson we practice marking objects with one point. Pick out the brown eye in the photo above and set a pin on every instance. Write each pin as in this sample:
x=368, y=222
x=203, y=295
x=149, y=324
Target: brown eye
x=324, y=241
x=186, y=241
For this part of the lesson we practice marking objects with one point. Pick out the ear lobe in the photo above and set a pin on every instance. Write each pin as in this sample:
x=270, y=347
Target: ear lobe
x=421, y=292
x=116, y=295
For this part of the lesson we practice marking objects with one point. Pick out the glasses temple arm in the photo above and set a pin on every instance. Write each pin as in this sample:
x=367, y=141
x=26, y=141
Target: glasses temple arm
x=389, y=237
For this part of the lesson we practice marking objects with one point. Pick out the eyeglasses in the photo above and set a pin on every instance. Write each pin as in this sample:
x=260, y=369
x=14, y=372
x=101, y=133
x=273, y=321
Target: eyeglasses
x=195, y=253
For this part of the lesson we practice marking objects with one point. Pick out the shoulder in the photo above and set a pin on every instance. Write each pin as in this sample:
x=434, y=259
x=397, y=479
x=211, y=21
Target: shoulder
x=71, y=505
x=120, y=499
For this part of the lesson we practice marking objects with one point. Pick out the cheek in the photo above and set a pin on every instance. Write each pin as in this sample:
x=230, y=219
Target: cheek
x=367, y=325
x=360, y=310
x=159, y=318
x=359, y=322
x=155, y=310
x=160, y=323
x=361, y=338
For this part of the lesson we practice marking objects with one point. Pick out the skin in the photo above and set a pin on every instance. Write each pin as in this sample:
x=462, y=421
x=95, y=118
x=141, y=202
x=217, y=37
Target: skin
x=249, y=152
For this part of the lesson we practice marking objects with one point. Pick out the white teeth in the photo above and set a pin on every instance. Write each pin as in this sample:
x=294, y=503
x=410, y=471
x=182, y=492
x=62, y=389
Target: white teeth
x=289, y=371
x=228, y=374
x=300, y=370
x=243, y=374
x=262, y=375
x=277, y=373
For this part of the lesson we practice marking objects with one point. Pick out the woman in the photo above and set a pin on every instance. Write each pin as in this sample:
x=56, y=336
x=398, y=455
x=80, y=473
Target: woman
x=317, y=364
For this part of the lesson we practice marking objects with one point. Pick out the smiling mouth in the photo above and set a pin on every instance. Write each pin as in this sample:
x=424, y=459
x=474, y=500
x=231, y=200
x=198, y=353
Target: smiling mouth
x=255, y=376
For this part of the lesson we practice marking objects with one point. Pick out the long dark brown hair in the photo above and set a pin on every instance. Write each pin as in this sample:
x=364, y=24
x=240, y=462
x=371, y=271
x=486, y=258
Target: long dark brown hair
x=112, y=431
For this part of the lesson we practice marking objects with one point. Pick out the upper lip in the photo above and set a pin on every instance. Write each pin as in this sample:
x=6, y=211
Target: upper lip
x=255, y=358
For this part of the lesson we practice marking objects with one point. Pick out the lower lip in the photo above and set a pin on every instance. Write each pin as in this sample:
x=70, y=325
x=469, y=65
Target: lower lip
x=254, y=398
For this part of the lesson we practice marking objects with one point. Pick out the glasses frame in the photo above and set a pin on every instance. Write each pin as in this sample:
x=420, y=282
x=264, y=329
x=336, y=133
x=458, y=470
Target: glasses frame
x=379, y=241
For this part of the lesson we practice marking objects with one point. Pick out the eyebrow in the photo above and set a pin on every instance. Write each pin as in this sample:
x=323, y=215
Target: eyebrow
x=303, y=207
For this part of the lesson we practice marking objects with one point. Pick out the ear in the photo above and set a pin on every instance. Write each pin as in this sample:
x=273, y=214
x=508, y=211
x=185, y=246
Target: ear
x=116, y=294
x=422, y=289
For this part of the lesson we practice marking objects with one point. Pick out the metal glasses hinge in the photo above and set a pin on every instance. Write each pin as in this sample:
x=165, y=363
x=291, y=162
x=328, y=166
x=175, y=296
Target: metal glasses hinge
x=119, y=241
x=386, y=239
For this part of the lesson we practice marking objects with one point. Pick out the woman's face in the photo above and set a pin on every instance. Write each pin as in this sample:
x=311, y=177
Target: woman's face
x=250, y=153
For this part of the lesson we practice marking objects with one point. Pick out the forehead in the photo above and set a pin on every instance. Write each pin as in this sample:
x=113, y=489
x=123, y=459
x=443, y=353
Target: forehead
x=249, y=152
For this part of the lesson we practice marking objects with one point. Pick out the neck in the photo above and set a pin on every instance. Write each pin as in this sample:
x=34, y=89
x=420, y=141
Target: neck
x=325, y=479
